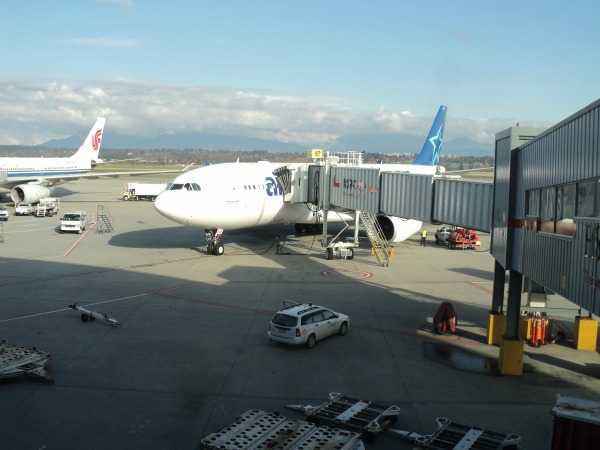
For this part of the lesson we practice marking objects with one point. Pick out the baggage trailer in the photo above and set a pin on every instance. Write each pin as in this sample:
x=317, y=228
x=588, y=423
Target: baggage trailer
x=257, y=429
x=453, y=436
x=463, y=239
x=367, y=418
x=16, y=361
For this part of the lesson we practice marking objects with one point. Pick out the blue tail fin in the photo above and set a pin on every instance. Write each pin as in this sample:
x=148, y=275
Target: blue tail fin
x=430, y=153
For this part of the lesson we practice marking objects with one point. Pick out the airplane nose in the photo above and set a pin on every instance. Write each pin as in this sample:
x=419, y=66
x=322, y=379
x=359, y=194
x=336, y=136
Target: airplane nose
x=160, y=204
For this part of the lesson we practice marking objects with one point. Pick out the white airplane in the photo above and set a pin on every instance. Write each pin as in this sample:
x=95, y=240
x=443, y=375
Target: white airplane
x=243, y=195
x=29, y=179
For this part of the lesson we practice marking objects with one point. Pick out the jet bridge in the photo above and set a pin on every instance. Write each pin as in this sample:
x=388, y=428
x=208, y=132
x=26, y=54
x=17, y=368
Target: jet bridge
x=382, y=199
x=342, y=182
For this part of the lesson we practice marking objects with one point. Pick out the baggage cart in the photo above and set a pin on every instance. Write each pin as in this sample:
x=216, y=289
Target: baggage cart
x=255, y=430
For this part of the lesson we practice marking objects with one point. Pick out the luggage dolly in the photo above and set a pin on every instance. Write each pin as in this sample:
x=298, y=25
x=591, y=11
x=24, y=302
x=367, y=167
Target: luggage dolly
x=367, y=418
x=257, y=429
x=16, y=361
x=453, y=436
x=87, y=314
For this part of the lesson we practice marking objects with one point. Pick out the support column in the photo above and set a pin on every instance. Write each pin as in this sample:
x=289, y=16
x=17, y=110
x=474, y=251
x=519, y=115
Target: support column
x=585, y=333
x=511, y=346
x=496, y=318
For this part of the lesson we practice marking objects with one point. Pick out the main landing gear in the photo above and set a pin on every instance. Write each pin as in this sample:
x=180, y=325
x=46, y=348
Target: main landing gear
x=215, y=246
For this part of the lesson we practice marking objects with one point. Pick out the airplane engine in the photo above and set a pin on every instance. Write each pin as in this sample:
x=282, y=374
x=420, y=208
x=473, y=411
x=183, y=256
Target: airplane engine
x=396, y=229
x=30, y=193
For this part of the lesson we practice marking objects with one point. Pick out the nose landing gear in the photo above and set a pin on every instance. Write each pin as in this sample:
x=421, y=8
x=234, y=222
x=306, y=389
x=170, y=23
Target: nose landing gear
x=214, y=246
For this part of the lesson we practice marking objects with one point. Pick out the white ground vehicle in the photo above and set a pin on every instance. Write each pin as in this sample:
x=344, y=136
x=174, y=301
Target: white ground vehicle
x=48, y=206
x=24, y=209
x=442, y=235
x=306, y=324
x=143, y=191
x=75, y=221
x=3, y=213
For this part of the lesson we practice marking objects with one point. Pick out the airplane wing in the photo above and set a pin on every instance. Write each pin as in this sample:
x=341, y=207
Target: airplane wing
x=54, y=180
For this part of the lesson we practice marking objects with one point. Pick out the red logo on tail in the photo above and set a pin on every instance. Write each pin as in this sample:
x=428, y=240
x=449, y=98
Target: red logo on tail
x=96, y=139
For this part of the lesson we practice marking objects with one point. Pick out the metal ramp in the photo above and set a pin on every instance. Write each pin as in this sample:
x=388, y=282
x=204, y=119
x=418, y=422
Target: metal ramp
x=340, y=411
x=16, y=361
x=454, y=436
x=370, y=418
x=379, y=243
x=105, y=220
x=256, y=430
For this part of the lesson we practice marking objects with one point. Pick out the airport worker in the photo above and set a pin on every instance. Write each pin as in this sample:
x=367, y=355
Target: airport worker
x=423, y=236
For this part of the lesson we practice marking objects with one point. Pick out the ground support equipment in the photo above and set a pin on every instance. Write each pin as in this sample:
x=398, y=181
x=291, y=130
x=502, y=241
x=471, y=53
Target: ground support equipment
x=16, y=361
x=87, y=314
x=453, y=436
x=367, y=418
x=257, y=429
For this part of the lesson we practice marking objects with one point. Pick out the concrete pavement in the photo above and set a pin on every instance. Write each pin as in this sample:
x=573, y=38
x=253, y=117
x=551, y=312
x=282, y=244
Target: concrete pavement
x=192, y=351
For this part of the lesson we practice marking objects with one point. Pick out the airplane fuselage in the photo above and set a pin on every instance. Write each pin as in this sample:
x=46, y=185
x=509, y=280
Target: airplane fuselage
x=230, y=196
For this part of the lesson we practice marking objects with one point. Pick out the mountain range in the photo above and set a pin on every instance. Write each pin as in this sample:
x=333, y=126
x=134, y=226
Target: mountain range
x=370, y=143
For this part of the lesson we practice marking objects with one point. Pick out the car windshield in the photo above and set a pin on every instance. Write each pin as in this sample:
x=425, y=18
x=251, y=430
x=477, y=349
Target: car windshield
x=284, y=320
x=71, y=217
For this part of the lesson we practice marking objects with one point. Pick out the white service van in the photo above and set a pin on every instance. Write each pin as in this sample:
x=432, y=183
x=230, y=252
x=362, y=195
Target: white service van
x=73, y=221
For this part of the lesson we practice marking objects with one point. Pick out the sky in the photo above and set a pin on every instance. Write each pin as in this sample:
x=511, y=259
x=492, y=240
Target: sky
x=297, y=71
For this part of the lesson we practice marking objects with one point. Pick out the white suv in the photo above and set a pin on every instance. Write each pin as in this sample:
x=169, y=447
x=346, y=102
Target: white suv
x=73, y=221
x=306, y=324
x=23, y=209
x=3, y=213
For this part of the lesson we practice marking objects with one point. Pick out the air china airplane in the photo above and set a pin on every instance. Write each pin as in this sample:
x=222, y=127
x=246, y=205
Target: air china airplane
x=29, y=179
x=243, y=195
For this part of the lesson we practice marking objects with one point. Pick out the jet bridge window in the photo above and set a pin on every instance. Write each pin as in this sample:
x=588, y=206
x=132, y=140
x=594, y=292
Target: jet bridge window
x=565, y=209
x=548, y=209
x=588, y=198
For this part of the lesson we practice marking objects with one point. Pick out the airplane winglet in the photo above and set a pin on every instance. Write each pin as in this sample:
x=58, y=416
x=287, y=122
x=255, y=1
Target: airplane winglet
x=186, y=168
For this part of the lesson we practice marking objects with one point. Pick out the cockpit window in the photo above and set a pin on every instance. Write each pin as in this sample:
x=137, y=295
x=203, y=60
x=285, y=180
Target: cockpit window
x=191, y=186
x=185, y=187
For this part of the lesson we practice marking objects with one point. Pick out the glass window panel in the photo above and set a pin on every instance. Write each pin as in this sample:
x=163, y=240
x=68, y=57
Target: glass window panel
x=548, y=203
x=588, y=198
x=533, y=203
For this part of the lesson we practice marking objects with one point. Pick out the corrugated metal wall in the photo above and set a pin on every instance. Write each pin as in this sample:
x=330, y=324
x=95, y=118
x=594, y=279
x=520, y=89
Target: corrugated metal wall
x=584, y=269
x=463, y=203
x=406, y=195
x=355, y=188
x=546, y=260
x=567, y=153
x=500, y=199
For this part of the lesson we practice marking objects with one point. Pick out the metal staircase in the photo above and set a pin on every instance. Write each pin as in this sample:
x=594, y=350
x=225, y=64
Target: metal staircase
x=105, y=220
x=379, y=243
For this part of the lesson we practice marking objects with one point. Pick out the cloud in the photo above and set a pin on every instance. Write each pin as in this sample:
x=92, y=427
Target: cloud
x=34, y=111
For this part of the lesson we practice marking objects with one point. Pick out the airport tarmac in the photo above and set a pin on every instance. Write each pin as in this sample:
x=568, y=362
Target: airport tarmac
x=192, y=352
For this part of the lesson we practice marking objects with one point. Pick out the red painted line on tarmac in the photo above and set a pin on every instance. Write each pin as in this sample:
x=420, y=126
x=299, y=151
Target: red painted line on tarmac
x=478, y=286
x=79, y=240
x=417, y=333
x=342, y=273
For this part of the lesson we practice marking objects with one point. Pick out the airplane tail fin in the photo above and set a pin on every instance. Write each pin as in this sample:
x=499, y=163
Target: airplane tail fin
x=430, y=153
x=91, y=146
